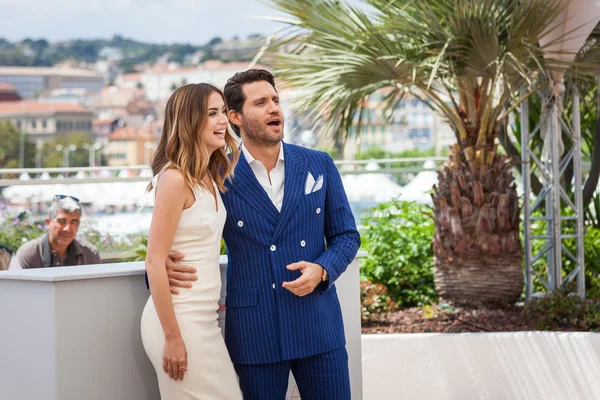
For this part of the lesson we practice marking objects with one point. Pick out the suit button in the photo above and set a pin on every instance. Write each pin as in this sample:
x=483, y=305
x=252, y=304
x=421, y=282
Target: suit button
x=303, y=243
x=318, y=211
x=273, y=286
x=273, y=247
x=240, y=223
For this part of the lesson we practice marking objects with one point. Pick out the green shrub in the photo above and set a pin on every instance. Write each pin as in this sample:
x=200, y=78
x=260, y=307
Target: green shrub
x=16, y=231
x=105, y=241
x=591, y=246
x=561, y=310
x=375, y=299
x=398, y=237
x=139, y=249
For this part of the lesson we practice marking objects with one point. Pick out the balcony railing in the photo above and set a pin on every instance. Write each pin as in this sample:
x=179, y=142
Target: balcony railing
x=142, y=173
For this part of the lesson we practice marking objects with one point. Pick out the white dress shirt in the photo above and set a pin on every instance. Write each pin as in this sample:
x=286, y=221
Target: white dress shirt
x=274, y=182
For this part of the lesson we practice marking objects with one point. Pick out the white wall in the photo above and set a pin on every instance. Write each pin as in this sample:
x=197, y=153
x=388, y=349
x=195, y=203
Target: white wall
x=73, y=333
x=482, y=366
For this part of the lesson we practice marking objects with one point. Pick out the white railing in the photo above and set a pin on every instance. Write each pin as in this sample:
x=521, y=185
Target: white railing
x=142, y=173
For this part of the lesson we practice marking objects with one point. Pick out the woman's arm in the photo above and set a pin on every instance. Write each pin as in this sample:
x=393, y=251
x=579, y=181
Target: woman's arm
x=172, y=196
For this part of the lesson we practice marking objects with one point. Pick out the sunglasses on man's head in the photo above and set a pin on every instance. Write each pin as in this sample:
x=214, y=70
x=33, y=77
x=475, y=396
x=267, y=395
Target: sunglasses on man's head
x=64, y=196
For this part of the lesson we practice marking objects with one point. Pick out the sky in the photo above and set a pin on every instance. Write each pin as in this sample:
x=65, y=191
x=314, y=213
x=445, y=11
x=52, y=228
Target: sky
x=156, y=21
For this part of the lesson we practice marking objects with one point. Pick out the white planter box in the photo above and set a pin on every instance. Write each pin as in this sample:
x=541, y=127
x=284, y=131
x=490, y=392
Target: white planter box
x=73, y=333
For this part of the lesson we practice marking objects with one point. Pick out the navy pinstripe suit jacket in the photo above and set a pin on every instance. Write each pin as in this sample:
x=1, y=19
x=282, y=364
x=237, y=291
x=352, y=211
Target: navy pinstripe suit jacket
x=266, y=323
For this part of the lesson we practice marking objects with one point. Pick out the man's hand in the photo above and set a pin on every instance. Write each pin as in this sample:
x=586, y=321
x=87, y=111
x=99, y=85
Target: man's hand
x=310, y=279
x=180, y=276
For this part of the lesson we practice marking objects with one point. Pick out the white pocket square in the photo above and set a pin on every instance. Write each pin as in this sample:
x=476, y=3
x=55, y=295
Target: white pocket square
x=312, y=185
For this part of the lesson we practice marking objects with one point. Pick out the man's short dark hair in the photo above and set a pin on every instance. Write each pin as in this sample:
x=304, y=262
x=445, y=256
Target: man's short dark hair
x=234, y=95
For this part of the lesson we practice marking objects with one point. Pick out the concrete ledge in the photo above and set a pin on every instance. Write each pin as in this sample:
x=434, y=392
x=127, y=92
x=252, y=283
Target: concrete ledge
x=80, y=272
x=482, y=366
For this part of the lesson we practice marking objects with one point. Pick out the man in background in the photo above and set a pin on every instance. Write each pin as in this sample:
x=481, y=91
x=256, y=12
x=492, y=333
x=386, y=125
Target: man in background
x=58, y=247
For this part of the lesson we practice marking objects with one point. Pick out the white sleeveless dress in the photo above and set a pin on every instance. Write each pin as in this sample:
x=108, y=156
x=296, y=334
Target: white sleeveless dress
x=210, y=373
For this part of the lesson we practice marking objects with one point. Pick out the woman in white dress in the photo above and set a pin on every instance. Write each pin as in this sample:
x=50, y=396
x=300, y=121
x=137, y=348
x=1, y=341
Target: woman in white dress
x=180, y=334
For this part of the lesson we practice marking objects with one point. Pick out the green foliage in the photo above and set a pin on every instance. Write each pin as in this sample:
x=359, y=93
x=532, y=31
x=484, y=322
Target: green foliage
x=30, y=52
x=16, y=231
x=591, y=251
x=427, y=48
x=85, y=49
x=561, y=310
x=12, y=57
x=215, y=41
x=179, y=51
x=105, y=241
x=591, y=246
x=10, y=138
x=375, y=299
x=592, y=212
x=379, y=152
x=223, y=248
x=398, y=237
x=333, y=153
x=77, y=158
x=139, y=248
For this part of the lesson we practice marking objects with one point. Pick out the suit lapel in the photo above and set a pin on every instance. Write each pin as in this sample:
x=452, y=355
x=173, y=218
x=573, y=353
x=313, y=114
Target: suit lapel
x=247, y=187
x=295, y=168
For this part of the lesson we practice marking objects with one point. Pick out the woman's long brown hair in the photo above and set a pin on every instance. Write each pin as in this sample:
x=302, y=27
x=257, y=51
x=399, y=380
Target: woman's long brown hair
x=182, y=140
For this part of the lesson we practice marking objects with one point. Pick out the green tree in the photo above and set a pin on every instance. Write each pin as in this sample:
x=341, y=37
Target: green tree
x=14, y=57
x=77, y=158
x=11, y=140
x=39, y=45
x=467, y=60
x=402, y=178
x=179, y=51
x=214, y=41
x=127, y=65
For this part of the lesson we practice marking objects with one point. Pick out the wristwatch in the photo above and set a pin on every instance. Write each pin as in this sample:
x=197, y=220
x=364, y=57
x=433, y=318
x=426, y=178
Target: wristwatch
x=324, y=276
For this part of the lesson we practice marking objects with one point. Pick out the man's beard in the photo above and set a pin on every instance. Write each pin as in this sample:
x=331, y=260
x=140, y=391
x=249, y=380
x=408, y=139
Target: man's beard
x=256, y=133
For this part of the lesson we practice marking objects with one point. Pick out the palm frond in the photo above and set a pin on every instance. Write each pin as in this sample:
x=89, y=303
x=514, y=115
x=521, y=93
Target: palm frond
x=467, y=58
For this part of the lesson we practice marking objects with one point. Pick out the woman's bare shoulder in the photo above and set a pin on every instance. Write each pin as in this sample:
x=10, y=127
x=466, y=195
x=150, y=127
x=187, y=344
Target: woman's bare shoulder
x=172, y=179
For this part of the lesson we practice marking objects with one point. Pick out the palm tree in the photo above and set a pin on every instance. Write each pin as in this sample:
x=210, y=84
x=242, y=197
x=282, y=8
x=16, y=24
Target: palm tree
x=472, y=61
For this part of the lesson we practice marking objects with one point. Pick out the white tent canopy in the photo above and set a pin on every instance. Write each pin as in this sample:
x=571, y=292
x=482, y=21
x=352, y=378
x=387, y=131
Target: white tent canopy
x=99, y=194
x=418, y=189
x=574, y=26
x=372, y=187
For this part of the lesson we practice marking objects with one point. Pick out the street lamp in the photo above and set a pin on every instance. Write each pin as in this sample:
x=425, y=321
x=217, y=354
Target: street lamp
x=92, y=149
x=66, y=150
x=22, y=149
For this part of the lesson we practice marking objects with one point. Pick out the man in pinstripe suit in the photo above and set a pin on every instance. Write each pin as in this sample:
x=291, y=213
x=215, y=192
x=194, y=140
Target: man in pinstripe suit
x=290, y=234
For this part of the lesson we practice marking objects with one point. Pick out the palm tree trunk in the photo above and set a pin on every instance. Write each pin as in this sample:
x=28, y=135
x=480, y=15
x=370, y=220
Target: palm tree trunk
x=477, y=223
